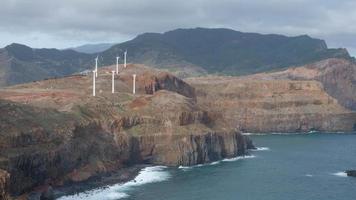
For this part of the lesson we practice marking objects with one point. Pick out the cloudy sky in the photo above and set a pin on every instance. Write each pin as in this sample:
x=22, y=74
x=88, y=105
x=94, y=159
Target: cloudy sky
x=65, y=23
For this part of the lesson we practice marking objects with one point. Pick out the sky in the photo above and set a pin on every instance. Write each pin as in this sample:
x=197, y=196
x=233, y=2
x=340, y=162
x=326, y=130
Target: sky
x=67, y=23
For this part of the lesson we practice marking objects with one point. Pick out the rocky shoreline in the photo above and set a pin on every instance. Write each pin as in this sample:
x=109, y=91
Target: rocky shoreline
x=103, y=180
x=52, y=138
x=351, y=173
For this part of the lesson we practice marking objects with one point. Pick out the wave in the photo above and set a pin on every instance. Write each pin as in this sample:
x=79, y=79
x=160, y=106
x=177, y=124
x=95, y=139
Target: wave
x=281, y=133
x=238, y=158
x=254, y=133
x=340, y=174
x=261, y=149
x=186, y=168
x=119, y=191
x=214, y=163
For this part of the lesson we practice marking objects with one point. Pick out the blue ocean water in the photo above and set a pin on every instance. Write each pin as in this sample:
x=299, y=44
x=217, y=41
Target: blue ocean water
x=285, y=167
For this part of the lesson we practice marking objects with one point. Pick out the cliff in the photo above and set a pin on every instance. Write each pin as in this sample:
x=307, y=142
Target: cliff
x=54, y=132
x=338, y=77
x=258, y=104
x=4, y=185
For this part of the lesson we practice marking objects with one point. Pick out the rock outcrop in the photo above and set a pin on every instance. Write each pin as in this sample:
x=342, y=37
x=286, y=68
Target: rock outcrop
x=54, y=132
x=149, y=81
x=351, y=173
x=4, y=185
x=258, y=105
x=87, y=150
x=338, y=77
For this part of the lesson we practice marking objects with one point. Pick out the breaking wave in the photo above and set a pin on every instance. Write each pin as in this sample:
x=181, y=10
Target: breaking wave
x=185, y=168
x=237, y=158
x=340, y=174
x=261, y=149
x=119, y=191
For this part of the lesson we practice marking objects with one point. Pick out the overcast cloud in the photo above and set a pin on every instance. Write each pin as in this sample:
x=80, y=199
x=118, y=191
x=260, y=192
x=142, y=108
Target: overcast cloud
x=60, y=24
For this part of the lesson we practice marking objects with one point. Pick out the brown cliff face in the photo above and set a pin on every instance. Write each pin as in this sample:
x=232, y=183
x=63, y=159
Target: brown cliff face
x=149, y=81
x=4, y=185
x=338, y=77
x=90, y=149
x=55, y=132
x=257, y=105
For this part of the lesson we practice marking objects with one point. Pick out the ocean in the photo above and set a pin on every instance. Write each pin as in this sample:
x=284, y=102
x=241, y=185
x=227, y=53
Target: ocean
x=284, y=167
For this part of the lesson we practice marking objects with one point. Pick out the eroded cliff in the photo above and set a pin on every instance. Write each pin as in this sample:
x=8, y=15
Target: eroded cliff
x=54, y=132
x=255, y=104
x=4, y=185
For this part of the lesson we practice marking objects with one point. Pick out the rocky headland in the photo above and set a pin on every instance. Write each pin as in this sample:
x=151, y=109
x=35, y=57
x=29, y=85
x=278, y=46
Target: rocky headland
x=54, y=132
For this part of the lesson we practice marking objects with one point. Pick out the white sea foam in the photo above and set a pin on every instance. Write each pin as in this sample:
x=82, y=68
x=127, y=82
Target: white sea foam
x=340, y=174
x=238, y=158
x=119, y=191
x=261, y=149
x=254, y=134
x=186, y=168
x=214, y=163
x=310, y=132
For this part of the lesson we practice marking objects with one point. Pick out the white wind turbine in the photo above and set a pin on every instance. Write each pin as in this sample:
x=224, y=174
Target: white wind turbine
x=134, y=84
x=94, y=74
x=113, y=82
x=96, y=66
x=125, y=54
x=117, y=64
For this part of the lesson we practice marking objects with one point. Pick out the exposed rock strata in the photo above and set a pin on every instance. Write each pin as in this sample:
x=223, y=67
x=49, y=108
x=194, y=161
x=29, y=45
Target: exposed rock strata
x=4, y=185
x=257, y=105
x=91, y=150
x=338, y=77
x=55, y=132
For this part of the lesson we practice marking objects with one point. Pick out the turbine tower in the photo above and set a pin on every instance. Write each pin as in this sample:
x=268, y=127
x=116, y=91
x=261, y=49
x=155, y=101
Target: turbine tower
x=117, y=64
x=125, y=53
x=96, y=66
x=113, y=82
x=134, y=84
x=94, y=73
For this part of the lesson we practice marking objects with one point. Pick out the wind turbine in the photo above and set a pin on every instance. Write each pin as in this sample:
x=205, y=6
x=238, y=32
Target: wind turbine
x=117, y=64
x=125, y=53
x=96, y=66
x=134, y=84
x=113, y=82
x=94, y=74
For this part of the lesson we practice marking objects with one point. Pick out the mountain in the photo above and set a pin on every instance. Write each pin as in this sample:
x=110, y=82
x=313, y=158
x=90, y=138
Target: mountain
x=185, y=52
x=92, y=48
x=223, y=51
x=21, y=64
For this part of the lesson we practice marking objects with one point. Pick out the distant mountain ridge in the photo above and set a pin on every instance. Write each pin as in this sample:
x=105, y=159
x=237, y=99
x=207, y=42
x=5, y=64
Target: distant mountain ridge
x=225, y=51
x=186, y=52
x=92, y=48
x=21, y=64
